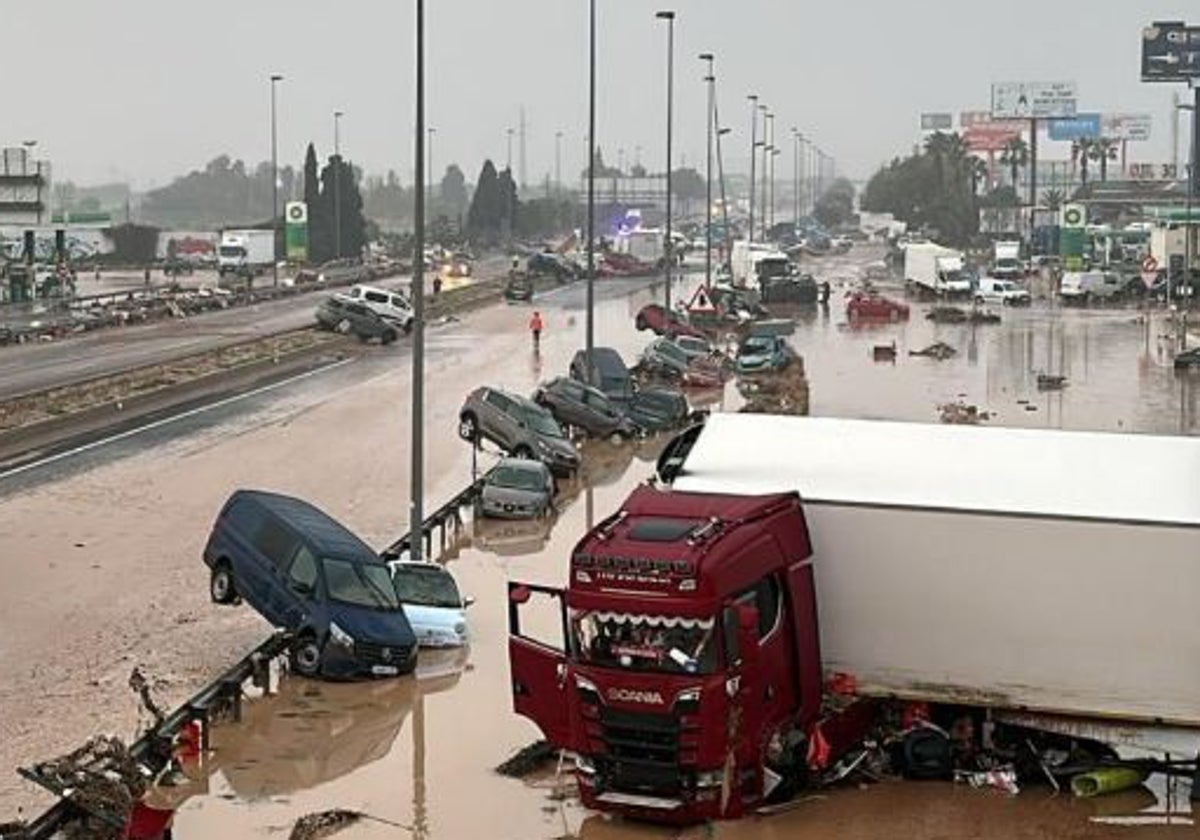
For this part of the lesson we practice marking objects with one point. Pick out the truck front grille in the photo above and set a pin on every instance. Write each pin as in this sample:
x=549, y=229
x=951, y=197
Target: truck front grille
x=640, y=752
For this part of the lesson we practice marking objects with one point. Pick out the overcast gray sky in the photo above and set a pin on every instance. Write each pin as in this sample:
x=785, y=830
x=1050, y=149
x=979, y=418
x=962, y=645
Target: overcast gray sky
x=147, y=89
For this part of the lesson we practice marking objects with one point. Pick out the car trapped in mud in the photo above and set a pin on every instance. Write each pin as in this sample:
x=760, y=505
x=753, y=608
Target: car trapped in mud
x=435, y=607
x=517, y=488
x=306, y=573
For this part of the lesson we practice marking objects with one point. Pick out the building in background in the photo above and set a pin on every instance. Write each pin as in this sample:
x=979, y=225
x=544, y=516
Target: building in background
x=24, y=188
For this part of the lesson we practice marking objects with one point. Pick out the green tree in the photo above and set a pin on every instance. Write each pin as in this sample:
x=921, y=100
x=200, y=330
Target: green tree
x=485, y=216
x=1054, y=199
x=1081, y=153
x=341, y=203
x=454, y=191
x=1015, y=156
x=835, y=207
x=1101, y=151
x=688, y=185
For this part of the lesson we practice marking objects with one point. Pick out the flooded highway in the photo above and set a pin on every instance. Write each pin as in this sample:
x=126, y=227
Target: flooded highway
x=420, y=752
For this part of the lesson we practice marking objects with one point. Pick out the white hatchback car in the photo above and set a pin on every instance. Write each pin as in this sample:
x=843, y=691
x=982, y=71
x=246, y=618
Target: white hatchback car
x=433, y=604
x=391, y=306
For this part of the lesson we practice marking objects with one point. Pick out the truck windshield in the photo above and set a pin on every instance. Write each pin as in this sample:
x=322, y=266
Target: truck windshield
x=665, y=644
x=771, y=268
x=232, y=251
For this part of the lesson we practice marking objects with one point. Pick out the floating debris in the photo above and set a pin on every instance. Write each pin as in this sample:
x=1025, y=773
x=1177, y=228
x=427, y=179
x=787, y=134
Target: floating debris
x=958, y=315
x=884, y=352
x=102, y=779
x=939, y=350
x=1051, y=382
x=528, y=760
x=962, y=414
x=328, y=823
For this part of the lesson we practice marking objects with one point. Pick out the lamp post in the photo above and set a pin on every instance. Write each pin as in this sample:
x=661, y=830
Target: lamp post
x=558, y=136
x=721, y=132
x=769, y=172
x=710, y=81
x=337, y=184
x=416, y=519
x=429, y=132
x=797, y=137
x=590, y=331
x=668, y=249
x=508, y=163
x=753, y=157
x=276, y=78
x=763, y=187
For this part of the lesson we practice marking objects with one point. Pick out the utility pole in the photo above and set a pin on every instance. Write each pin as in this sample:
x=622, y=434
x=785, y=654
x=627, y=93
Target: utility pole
x=590, y=332
x=416, y=518
x=769, y=192
x=429, y=132
x=524, y=174
x=337, y=184
x=753, y=157
x=710, y=81
x=797, y=138
x=508, y=159
x=668, y=249
x=763, y=188
x=558, y=136
x=276, y=78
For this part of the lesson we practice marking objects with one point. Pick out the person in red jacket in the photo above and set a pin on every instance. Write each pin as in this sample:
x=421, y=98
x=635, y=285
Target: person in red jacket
x=535, y=327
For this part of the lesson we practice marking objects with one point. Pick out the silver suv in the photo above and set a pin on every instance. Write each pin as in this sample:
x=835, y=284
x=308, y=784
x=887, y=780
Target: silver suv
x=519, y=426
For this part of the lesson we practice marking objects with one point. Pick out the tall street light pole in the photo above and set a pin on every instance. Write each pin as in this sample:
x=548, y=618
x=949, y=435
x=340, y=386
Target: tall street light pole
x=668, y=249
x=416, y=517
x=590, y=332
x=710, y=81
x=276, y=78
x=429, y=132
x=337, y=184
x=796, y=138
x=769, y=171
x=558, y=136
x=721, y=132
x=753, y=157
x=763, y=186
x=510, y=133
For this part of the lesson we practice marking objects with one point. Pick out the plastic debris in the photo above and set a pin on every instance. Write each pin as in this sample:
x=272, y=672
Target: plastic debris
x=961, y=413
x=939, y=350
x=528, y=760
x=1003, y=779
x=1106, y=780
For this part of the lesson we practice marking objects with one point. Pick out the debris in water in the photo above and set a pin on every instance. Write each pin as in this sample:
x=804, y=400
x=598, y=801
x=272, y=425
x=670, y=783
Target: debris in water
x=1002, y=778
x=957, y=315
x=1051, y=382
x=102, y=779
x=328, y=823
x=140, y=685
x=939, y=350
x=884, y=352
x=961, y=413
x=781, y=392
x=529, y=760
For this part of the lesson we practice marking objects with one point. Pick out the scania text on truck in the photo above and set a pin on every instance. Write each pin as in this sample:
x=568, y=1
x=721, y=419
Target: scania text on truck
x=249, y=252
x=932, y=269
x=946, y=564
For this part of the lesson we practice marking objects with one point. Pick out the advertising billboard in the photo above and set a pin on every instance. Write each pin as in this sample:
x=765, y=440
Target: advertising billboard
x=1078, y=127
x=937, y=122
x=1133, y=127
x=1033, y=100
x=1170, y=52
x=990, y=137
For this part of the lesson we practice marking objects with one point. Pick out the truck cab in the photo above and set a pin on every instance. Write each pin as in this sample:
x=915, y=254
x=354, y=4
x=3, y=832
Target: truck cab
x=688, y=682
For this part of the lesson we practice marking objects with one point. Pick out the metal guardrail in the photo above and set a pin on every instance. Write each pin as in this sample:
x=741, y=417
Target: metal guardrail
x=224, y=694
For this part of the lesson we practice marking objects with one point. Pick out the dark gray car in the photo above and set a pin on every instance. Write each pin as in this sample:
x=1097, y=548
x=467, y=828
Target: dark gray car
x=517, y=489
x=351, y=318
x=519, y=426
x=576, y=405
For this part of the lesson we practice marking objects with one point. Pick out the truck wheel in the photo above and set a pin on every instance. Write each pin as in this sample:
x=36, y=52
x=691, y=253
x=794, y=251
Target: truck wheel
x=305, y=656
x=221, y=586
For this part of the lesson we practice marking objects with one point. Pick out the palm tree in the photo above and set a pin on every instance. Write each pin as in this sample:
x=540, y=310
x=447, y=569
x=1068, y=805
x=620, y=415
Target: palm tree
x=1015, y=155
x=937, y=146
x=1053, y=199
x=979, y=174
x=1102, y=151
x=1081, y=151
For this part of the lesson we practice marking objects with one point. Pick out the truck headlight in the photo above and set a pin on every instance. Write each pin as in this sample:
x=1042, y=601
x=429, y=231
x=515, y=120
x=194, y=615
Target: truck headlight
x=339, y=636
x=710, y=779
x=584, y=765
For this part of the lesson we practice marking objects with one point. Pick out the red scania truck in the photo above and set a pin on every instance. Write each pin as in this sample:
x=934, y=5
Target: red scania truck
x=1050, y=576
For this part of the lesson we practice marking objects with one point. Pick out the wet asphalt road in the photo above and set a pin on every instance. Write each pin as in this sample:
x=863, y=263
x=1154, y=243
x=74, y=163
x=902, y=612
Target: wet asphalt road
x=121, y=526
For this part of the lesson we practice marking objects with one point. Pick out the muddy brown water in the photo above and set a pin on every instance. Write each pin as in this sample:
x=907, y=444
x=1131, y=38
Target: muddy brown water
x=419, y=752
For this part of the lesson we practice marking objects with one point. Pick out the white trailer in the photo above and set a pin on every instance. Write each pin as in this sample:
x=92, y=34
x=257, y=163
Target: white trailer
x=1021, y=570
x=245, y=251
x=935, y=269
x=750, y=262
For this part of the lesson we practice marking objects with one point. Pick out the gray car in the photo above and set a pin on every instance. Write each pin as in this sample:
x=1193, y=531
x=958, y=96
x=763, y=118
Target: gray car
x=576, y=405
x=519, y=426
x=517, y=489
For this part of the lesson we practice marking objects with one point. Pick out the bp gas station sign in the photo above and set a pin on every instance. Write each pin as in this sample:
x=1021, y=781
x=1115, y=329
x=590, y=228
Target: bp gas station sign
x=296, y=230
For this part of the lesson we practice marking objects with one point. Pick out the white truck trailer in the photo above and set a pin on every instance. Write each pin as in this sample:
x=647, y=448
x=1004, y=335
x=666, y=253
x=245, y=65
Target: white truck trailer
x=1039, y=573
x=245, y=252
x=936, y=270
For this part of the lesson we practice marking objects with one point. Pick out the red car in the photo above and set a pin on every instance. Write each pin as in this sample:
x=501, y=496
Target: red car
x=669, y=324
x=875, y=307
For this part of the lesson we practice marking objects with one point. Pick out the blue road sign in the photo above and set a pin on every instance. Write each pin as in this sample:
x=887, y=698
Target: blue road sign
x=1078, y=127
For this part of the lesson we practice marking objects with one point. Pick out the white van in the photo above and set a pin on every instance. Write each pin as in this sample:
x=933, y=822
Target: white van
x=1082, y=286
x=391, y=306
x=996, y=290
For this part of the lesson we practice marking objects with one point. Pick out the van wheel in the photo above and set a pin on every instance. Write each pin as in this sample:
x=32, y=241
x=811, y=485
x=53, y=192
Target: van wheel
x=305, y=657
x=221, y=586
x=343, y=326
x=468, y=428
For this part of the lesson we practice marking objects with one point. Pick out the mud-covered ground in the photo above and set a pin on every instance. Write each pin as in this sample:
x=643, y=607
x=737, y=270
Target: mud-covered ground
x=102, y=568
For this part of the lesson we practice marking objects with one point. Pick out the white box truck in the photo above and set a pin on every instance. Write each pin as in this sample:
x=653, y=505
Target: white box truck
x=1013, y=569
x=249, y=252
x=933, y=269
x=752, y=262
x=1006, y=261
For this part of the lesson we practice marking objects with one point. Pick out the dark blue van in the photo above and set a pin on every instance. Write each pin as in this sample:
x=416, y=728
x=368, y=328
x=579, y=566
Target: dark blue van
x=305, y=572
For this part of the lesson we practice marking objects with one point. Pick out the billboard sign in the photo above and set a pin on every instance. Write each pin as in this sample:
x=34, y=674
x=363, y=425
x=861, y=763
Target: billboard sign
x=937, y=122
x=1033, y=100
x=968, y=119
x=1170, y=52
x=1074, y=216
x=1133, y=127
x=1078, y=127
x=295, y=215
x=990, y=137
